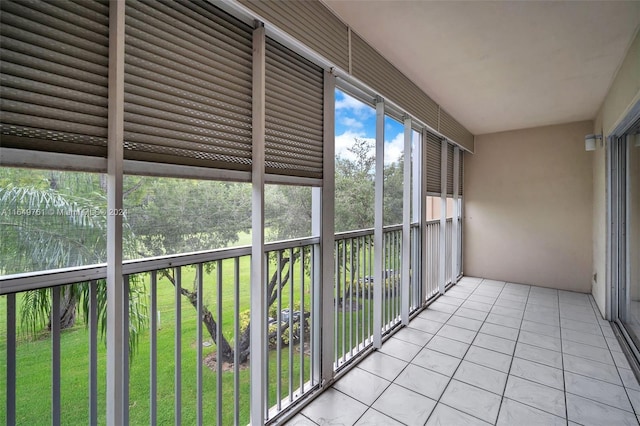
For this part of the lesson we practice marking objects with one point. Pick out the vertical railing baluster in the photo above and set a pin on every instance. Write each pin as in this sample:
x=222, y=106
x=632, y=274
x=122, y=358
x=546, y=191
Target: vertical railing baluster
x=365, y=290
x=55, y=357
x=392, y=278
x=392, y=275
x=199, y=387
x=303, y=320
x=279, y=331
x=236, y=340
x=267, y=361
x=314, y=338
x=398, y=274
x=370, y=313
x=291, y=284
x=388, y=264
x=153, y=351
x=178, y=348
x=219, y=359
x=126, y=294
x=344, y=292
x=385, y=248
x=385, y=251
x=336, y=297
x=11, y=360
x=357, y=280
x=392, y=290
x=351, y=270
x=93, y=353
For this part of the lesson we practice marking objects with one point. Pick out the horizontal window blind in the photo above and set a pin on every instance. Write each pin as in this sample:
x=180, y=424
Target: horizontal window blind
x=434, y=163
x=54, y=59
x=461, y=181
x=309, y=22
x=188, y=80
x=453, y=130
x=294, y=113
x=450, y=170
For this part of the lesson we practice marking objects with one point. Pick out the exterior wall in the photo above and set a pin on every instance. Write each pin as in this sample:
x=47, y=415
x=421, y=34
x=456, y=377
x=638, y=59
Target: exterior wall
x=528, y=207
x=623, y=94
x=433, y=208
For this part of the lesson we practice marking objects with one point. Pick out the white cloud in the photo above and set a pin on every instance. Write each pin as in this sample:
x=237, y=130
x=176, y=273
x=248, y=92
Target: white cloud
x=348, y=104
x=393, y=149
x=351, y=122
x=346, y=140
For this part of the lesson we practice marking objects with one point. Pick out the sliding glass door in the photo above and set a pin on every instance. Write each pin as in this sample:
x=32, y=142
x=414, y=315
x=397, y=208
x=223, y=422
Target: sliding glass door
x=625, y=241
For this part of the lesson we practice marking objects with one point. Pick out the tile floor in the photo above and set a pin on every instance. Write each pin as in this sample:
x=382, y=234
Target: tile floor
x=490, y=352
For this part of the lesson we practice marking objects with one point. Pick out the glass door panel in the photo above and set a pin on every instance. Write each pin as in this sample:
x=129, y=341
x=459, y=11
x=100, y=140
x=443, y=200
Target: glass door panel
x=630, y=247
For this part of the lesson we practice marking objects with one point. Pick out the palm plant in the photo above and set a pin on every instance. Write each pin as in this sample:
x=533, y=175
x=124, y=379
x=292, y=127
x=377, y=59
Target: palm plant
x=45, y=229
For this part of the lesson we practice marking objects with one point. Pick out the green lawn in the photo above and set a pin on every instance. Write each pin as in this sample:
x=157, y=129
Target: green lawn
x=33, y=390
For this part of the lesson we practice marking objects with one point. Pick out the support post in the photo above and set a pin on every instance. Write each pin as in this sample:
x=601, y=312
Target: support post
x=443, y=219
x=259, y=355
x=456, y=215
x=406, y=224
x=117, y=381
x=378, y=231
x=422, y=214
x=323, y=200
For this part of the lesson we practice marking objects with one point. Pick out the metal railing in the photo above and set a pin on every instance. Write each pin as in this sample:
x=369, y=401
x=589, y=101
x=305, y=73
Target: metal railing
x=391, y=277
x=432, y=267
x=353, y=297
x=292, y=327
x=448, y=238
x=415, y=287
x=196, y=342
x=179, y=290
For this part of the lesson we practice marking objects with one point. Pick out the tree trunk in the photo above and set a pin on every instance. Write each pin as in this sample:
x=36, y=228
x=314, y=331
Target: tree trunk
x=68, y=309
x=225, y=351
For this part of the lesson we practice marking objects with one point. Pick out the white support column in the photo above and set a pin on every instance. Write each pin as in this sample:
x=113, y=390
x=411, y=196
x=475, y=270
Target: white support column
x=406, y=224
x=259, y=355
x=456, y=214
x=323, y=201
x=378, y=231
x=443, y=218
x=117, y=380
x=422, y=190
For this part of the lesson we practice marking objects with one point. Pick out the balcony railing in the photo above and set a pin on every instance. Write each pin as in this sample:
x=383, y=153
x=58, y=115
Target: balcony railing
x=196, y=346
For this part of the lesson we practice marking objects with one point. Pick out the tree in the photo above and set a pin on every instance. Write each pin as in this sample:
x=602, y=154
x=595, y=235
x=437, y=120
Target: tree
x=179, y=216
x=355, y=191
x=170, y=216
x=53, y=220
x=288, y=211
x=393, y=187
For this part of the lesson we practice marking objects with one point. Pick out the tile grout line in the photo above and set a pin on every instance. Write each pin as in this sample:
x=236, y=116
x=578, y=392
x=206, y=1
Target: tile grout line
x=531, y=381
x=626, y=391
x=462, y=359
x=391, y=382
x=483, y=322
x=564, y=379
x=513, y=355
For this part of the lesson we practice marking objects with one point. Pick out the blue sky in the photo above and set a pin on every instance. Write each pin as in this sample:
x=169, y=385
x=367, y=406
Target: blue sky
x=354, y=119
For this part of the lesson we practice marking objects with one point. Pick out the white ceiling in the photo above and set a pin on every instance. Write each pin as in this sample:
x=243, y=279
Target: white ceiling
x=499, y=66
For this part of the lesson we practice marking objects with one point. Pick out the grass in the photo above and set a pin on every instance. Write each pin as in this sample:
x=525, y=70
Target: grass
x=33, y=389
